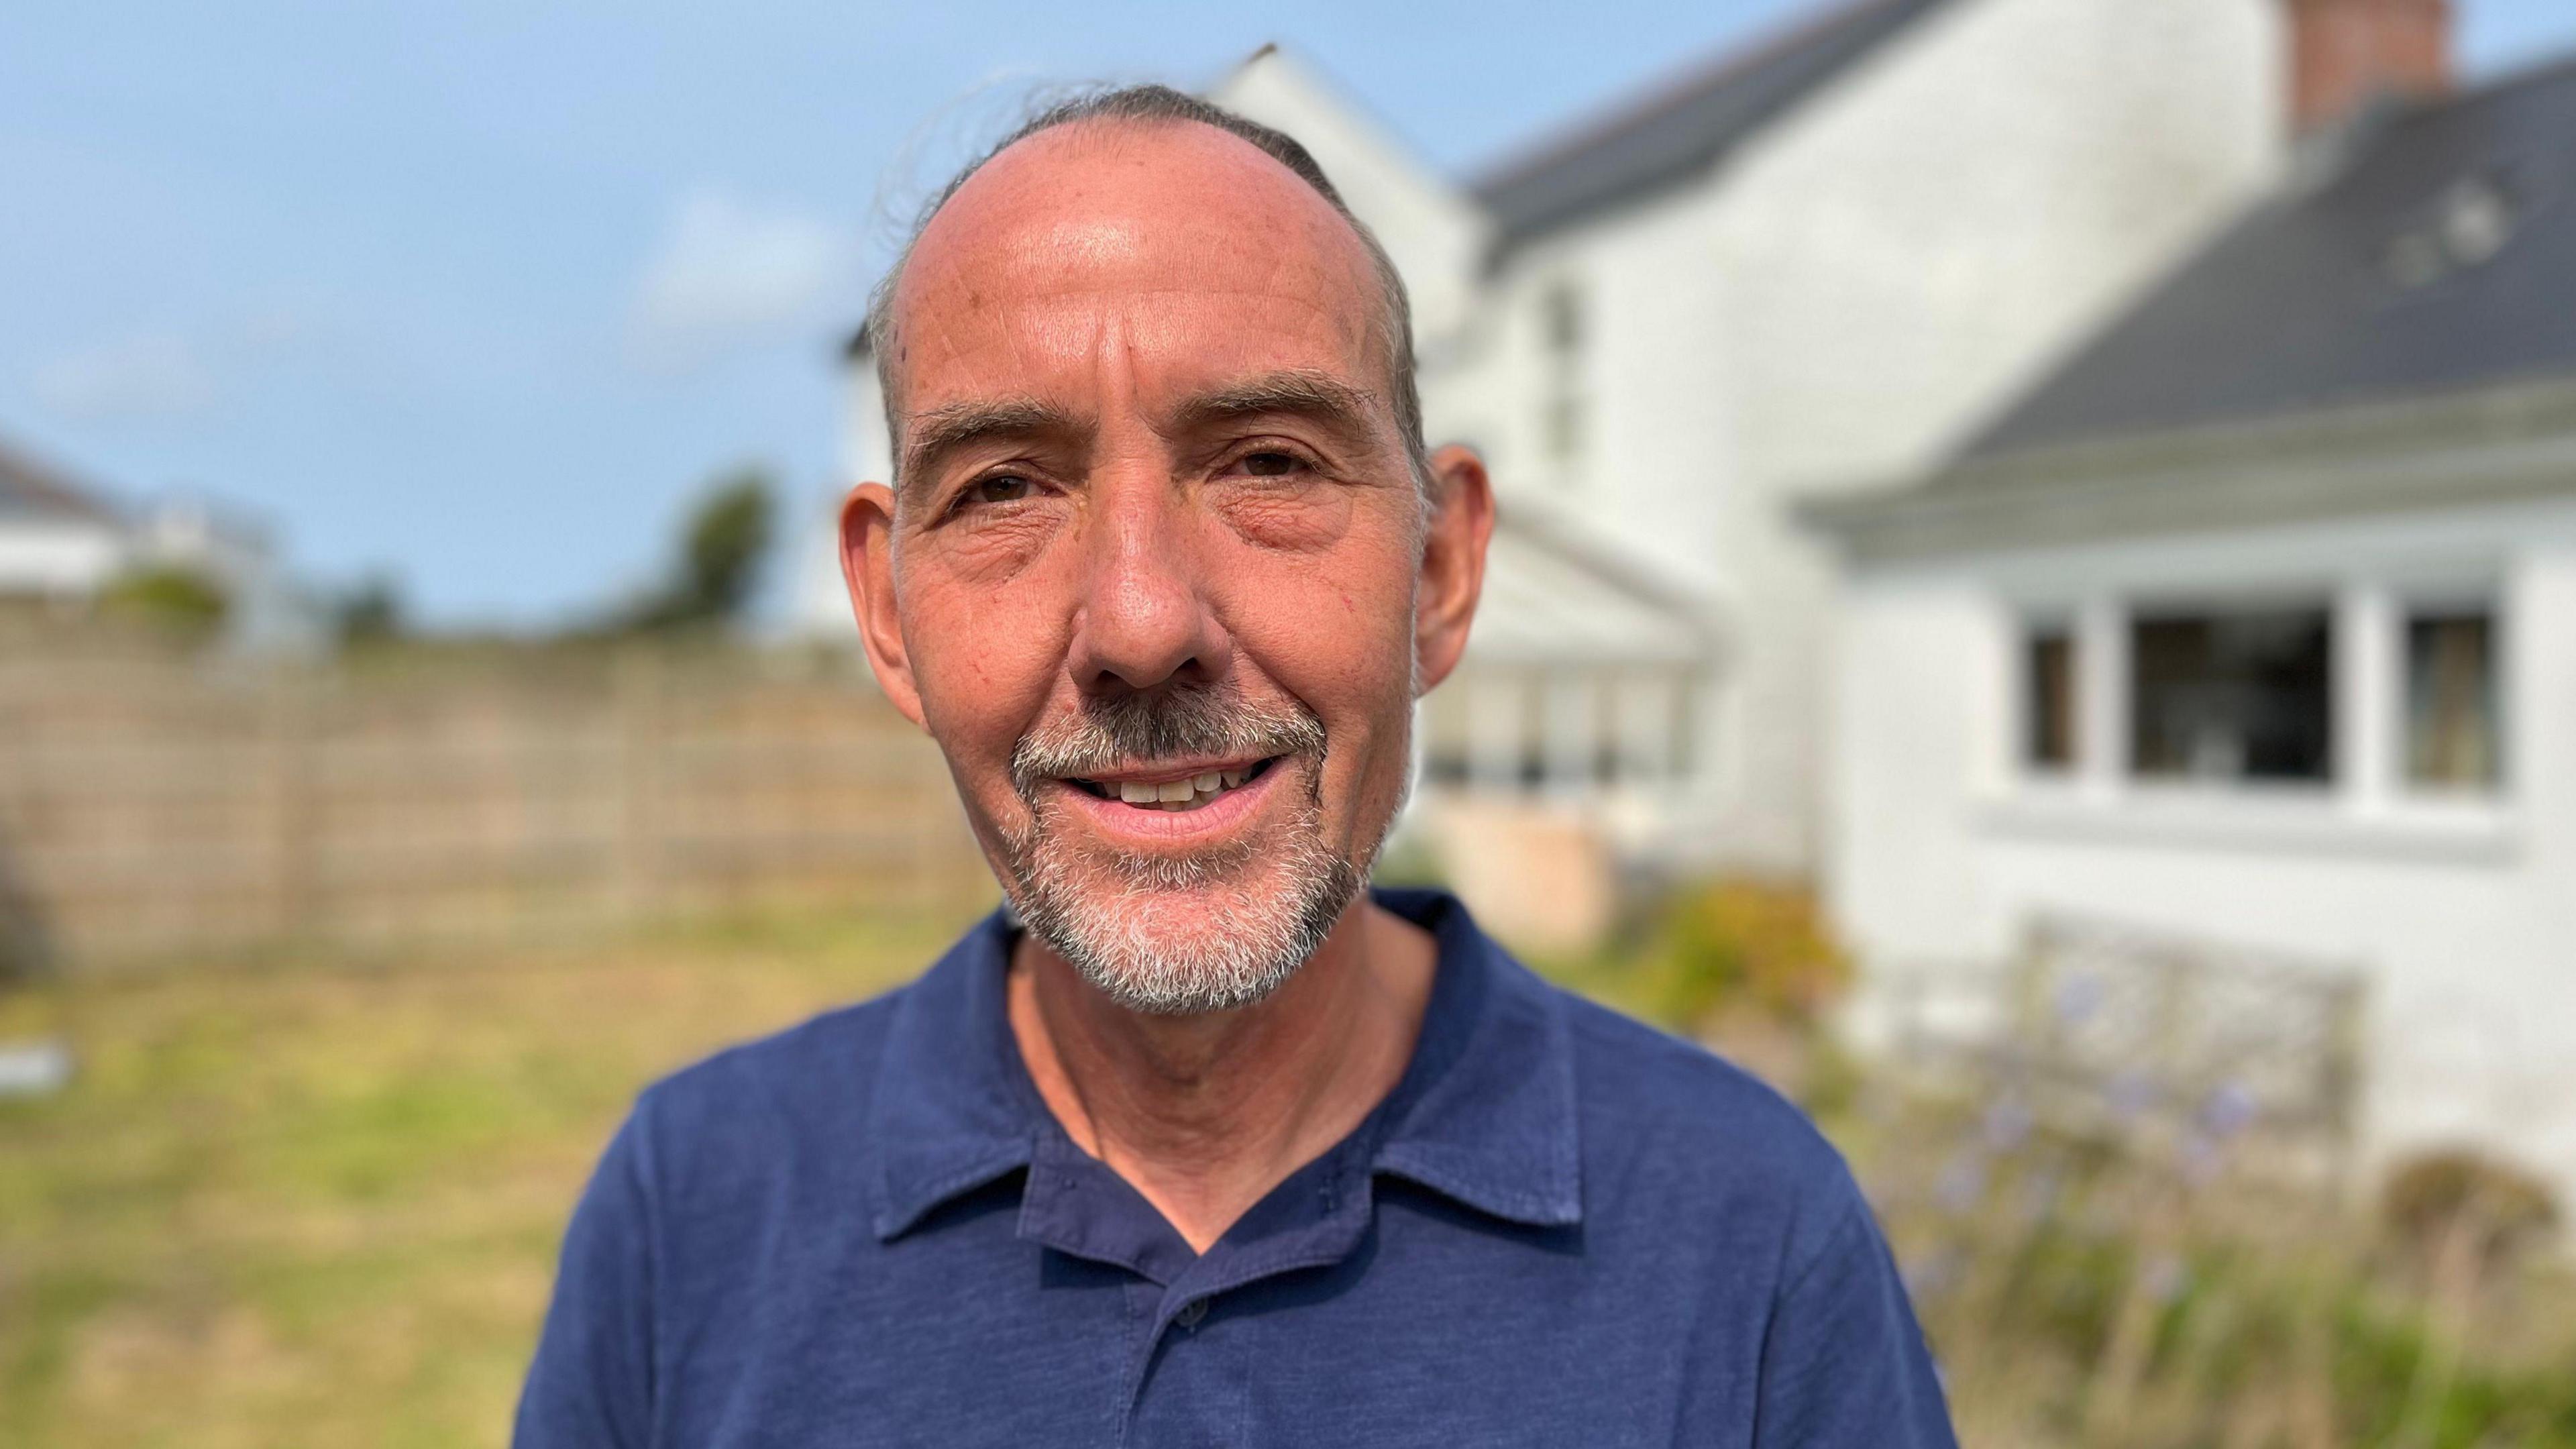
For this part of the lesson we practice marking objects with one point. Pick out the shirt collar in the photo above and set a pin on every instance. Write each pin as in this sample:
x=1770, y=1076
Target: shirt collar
x=952, y=1110
x=1484, y=1114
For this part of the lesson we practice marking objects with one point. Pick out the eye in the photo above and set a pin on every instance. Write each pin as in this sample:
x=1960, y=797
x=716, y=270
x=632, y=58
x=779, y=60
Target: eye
x=1271, y=463
x=1000, y=488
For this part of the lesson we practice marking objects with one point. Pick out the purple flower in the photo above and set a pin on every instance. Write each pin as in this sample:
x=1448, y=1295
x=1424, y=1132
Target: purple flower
x=2200, y=1159
x=2078, y=997
x=1962, y=1183
x=2007, y=1124
x=2231, y=1108
x=2130, y=1094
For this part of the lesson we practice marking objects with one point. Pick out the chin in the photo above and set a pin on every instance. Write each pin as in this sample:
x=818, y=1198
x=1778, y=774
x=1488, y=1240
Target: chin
x=1181, y=936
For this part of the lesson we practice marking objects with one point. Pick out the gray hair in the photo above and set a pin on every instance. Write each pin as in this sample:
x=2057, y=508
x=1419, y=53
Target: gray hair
x=1158, y=105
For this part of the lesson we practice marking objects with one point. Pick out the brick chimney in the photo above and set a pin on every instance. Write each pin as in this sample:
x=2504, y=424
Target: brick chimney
x=2345, y=54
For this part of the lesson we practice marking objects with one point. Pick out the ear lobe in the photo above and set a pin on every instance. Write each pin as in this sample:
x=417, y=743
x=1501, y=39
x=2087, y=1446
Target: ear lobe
x=867, y=567
x=1453, y=562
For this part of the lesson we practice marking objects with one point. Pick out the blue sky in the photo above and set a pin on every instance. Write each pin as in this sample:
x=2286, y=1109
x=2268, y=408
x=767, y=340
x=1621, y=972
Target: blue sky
x=480, y=291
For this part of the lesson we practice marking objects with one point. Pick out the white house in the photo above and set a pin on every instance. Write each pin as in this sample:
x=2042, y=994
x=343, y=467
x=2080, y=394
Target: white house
x=2254, y=622
x=58, y=541
x=62, y=542
x=1823, y=258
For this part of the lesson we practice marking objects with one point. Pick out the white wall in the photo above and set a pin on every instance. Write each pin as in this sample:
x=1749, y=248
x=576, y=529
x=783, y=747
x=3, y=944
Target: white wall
x=1659, y=399
x=1848, y=298
x=1910, y=253
x=2464, y=915
x=67, y=558
x=819, y=605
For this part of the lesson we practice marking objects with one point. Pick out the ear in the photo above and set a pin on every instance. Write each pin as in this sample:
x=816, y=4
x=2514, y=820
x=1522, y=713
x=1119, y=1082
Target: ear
x=867, y=566
x=1453, y=561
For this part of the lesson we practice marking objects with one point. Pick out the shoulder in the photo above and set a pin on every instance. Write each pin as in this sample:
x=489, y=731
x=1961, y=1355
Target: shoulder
x=1645, y=1081
x=1673, y=1131
x=747, y=1102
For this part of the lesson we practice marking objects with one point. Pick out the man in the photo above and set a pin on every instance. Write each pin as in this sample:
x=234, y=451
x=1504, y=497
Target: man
x=1199, y=1143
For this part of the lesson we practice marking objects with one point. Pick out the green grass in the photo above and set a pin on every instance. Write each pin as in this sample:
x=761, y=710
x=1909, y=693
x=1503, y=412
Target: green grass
x=317, y=1202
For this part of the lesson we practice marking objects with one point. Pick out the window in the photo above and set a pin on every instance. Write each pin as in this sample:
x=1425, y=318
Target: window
x=2048, y=698
x=2232, y=695
x=2451, y=734
x=1564, y=419
x=1564, y=320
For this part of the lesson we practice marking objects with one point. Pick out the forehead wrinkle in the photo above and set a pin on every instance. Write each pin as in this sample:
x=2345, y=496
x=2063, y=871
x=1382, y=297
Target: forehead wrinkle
x=1300, y=280
x=1345, y=331
x=1018, y=336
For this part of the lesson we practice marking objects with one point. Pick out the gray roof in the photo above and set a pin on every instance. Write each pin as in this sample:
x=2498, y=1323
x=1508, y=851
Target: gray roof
x=30, y=490
x=2378, y=277
x=1678, y=134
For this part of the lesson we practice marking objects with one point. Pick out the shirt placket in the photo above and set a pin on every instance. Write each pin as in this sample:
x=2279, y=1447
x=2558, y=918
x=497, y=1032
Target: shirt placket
x=1188, y=1364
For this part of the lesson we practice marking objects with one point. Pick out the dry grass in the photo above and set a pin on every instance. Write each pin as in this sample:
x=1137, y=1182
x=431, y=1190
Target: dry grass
x=316, y=1203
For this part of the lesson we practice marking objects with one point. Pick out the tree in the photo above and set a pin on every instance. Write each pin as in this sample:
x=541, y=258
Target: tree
x=723, y=550
x=727, y=542
x=371, y=612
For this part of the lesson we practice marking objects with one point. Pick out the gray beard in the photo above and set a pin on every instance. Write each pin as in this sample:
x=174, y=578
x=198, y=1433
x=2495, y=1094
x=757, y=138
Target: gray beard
x=1178, y=936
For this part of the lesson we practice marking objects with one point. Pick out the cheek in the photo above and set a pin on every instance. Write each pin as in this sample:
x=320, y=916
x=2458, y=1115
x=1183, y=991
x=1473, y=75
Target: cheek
x=1335, y=629
x=985, y=659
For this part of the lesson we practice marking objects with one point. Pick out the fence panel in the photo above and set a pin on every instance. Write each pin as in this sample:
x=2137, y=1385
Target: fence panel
x=150, y=805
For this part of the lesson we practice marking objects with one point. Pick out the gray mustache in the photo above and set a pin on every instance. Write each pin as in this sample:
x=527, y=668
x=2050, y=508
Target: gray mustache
x=1127, y=729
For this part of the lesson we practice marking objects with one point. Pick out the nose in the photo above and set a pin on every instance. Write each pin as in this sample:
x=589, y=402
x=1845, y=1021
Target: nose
x=1144, y=619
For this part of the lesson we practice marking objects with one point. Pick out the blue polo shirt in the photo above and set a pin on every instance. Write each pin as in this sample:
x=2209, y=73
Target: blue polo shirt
x=1561, y=1228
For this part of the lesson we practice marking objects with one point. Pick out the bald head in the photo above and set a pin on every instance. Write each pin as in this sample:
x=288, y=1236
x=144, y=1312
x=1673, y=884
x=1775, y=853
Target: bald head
x=1142, y=191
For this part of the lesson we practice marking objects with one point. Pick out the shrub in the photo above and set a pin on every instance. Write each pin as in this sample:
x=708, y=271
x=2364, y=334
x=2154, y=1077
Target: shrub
x=1746, y=945
x=2432, y=1196
x=180, y=602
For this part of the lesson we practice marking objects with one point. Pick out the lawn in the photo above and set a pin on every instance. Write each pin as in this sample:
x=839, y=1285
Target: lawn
x=316, y=1202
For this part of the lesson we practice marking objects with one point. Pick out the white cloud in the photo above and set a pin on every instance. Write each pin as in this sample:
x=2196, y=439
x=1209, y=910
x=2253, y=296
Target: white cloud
x=157, y=377
x=727, y=274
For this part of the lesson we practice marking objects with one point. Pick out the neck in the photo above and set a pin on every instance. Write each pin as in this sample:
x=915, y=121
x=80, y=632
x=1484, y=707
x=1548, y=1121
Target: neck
x=1205, y=1114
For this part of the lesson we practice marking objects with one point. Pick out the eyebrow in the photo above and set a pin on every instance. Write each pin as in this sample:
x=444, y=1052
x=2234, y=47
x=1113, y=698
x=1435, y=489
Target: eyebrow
x=1295, y=392
x=1312, y=395
x=943, y=430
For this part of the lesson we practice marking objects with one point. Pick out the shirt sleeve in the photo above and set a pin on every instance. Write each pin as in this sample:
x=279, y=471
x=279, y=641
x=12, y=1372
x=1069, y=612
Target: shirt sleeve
x=591, y=1384
x=1844, y=1366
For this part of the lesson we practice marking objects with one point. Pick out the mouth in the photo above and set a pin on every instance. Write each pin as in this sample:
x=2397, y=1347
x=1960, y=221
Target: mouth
x=1177, y=789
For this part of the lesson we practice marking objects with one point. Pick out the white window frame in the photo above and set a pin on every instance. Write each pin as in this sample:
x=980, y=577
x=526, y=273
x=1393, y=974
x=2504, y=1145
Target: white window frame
x=2367, y=798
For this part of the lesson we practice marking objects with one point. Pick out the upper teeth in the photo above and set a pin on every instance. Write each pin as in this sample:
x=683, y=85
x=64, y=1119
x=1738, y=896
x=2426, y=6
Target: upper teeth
x=1181, y=794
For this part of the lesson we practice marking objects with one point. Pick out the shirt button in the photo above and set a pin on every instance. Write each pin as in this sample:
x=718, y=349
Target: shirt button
x=1191, y=1313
